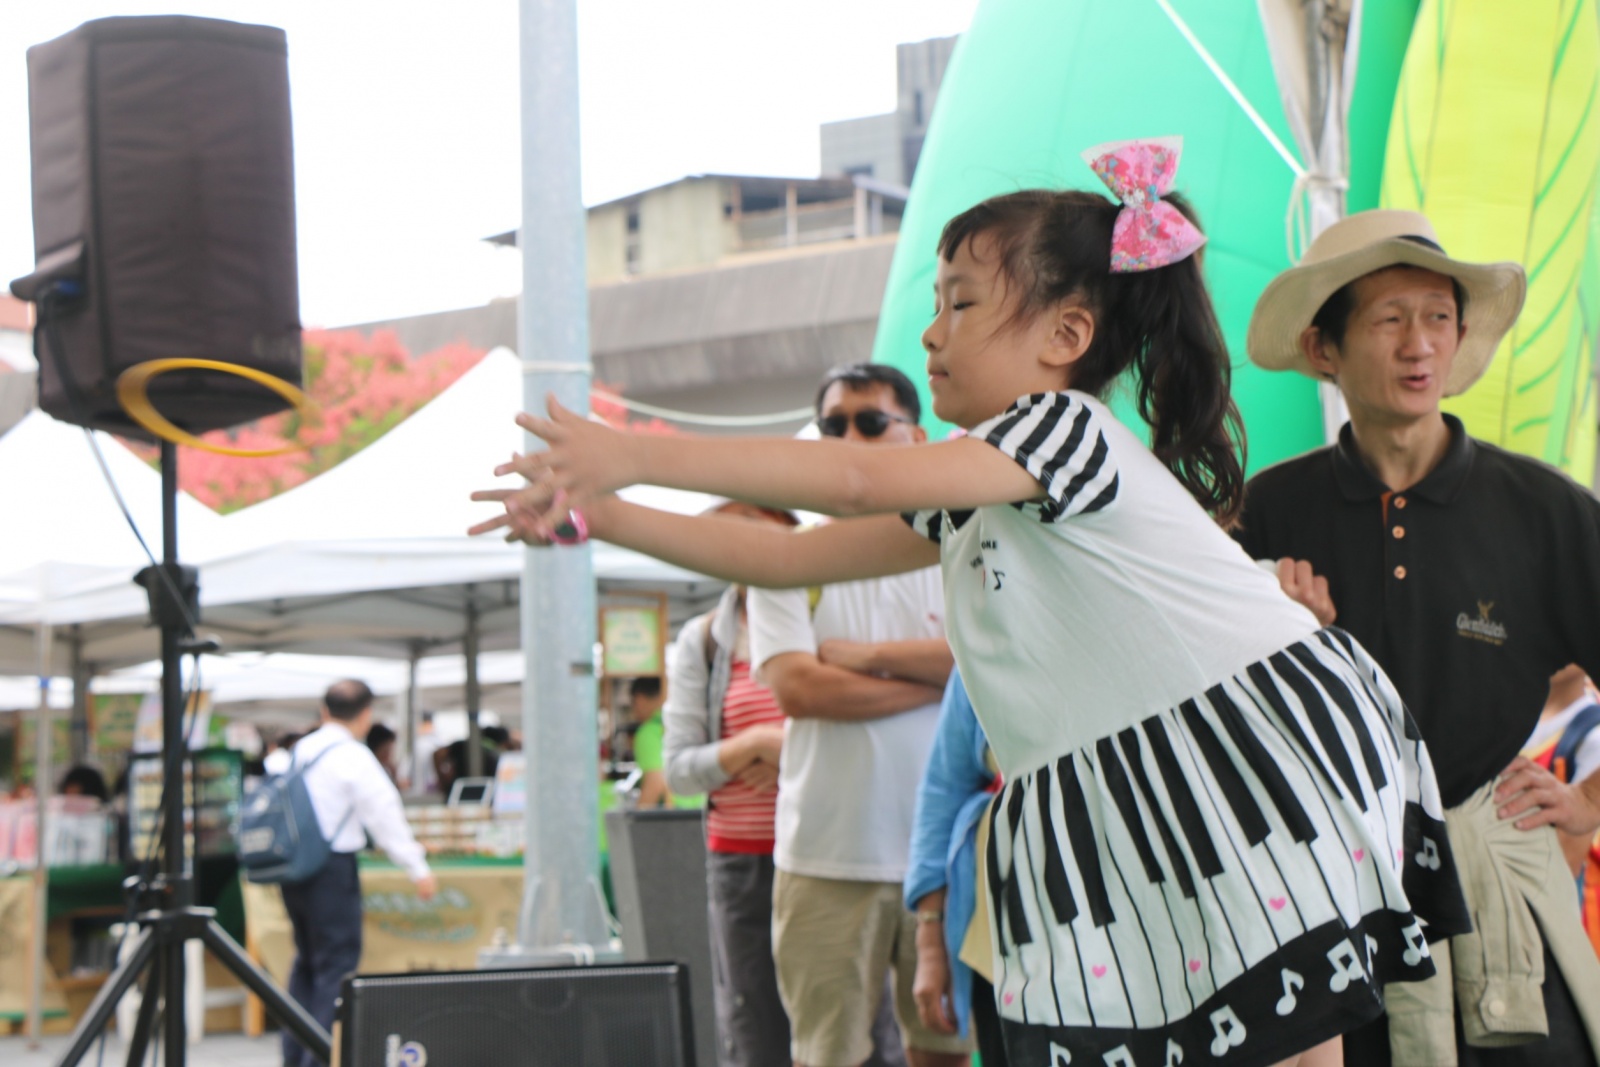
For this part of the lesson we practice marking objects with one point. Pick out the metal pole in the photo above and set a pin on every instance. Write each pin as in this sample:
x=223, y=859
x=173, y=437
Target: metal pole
x=81, y=673
x=562, y=904
x=413, y=719
x=42, y=775
x=474, y=692
x=177, y=868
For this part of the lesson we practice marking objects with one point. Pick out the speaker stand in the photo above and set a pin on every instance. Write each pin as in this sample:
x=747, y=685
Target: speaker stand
x=158, y=948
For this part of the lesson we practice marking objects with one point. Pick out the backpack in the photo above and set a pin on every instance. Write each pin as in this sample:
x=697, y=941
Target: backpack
x=1560, y=757
x=280, y=839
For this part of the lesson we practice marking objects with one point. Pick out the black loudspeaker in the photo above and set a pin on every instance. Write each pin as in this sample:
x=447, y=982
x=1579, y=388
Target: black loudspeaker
x=163, y=217
x=658, y=869
x=628, y=1015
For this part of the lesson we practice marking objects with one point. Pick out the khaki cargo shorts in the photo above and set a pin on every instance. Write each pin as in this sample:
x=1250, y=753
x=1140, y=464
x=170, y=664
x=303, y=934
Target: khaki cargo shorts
x=832, y=941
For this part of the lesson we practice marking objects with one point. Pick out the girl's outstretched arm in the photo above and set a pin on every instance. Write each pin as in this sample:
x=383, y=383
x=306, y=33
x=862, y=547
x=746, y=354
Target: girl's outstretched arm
x=734, y=549
x=586, y=459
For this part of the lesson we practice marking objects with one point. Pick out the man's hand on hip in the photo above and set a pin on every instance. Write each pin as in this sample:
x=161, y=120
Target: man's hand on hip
x=1307, y=589
x=1534, y=797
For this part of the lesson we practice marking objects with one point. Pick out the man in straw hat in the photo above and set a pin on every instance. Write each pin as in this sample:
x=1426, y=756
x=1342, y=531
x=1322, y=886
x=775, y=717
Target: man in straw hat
x=1472, y=574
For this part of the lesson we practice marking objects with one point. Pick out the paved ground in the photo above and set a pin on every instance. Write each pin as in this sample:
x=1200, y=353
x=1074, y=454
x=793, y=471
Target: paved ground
x=216, y=1050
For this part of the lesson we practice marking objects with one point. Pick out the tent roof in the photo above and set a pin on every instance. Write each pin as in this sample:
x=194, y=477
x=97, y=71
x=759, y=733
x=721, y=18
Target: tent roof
x=371, y=557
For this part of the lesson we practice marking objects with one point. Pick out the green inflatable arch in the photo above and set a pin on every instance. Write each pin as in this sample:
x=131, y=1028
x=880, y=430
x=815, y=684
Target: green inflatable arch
x=1034, y=82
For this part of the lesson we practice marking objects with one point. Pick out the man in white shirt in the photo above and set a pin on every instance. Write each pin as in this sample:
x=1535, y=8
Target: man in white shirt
x=859, y=671
x=353, y=796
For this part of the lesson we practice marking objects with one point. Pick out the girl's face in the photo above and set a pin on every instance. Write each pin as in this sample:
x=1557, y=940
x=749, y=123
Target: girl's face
x=980, y=357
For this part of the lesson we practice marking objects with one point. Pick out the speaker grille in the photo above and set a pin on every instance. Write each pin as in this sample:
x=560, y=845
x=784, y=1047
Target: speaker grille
x=604, y=1016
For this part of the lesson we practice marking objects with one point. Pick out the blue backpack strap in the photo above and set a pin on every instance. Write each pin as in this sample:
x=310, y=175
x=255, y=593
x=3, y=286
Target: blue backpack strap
x=300, y=772
x=1572, y=738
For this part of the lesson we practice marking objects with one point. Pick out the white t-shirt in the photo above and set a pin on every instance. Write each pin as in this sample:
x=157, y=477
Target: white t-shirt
x=1587, y=758
x=846, y=790
x=1115, y=598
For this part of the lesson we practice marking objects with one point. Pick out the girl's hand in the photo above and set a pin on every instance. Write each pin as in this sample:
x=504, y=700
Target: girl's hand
x=760, y=776
x=530, y=512
x=584, y=458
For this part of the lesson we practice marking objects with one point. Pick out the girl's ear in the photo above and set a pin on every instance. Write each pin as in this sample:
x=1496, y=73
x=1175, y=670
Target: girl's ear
x=1071, y=334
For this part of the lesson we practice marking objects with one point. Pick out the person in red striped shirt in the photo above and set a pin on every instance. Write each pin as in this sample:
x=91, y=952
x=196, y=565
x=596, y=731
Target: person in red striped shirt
x=724, y=735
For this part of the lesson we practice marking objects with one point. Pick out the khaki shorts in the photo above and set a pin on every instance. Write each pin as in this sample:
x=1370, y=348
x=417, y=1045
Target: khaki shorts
x=832, y=941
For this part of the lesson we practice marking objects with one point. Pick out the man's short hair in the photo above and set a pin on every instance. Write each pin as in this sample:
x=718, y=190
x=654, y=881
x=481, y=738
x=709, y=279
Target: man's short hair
x=647, y=688
x=347, y=699
x=859, y=377
x=1333, y=316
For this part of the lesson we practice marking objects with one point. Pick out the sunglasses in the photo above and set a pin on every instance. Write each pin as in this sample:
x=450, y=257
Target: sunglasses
x=870, y=422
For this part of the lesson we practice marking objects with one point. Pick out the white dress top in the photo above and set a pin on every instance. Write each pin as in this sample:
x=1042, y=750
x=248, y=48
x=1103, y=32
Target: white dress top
x=1115, y=598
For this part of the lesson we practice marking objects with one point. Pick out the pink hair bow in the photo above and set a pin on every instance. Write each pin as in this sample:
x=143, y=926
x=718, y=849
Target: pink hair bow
x=1149, y=232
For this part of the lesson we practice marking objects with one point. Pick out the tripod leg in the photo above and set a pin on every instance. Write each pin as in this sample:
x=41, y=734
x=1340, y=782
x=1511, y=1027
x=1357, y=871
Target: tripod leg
x=146, y=1020
x=280, y=1006
x=175, y=1034
x=104, y=1005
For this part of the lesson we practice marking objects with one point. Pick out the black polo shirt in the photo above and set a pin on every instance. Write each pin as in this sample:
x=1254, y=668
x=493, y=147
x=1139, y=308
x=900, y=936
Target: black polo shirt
x=1471, y=588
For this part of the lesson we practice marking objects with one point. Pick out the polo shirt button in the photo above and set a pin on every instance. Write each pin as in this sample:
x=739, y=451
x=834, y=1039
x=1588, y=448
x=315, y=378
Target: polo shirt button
x=1399, y=532
x=1399, y=501
x=1400, y=572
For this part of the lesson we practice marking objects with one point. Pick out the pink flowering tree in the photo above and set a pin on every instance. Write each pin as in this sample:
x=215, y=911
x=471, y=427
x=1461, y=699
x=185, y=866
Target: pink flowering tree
x=361, y=388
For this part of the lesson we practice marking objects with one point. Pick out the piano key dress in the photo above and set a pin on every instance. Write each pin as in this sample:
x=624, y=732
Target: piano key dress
x=1220, y=833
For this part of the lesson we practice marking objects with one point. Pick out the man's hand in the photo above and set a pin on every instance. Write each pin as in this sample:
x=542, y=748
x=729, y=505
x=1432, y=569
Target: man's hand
x=1534, y=797
x=1307, y=588
x=426, y=887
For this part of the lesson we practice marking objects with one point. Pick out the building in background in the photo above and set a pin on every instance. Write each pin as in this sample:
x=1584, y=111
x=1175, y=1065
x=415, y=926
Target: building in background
x=887, y=147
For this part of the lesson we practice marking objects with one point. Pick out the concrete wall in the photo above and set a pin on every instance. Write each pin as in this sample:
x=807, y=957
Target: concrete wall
x=684, y=224
x=873, y=142
x=607, y=242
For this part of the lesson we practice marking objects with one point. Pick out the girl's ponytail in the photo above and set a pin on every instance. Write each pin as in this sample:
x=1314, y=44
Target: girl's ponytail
x=1183, y=379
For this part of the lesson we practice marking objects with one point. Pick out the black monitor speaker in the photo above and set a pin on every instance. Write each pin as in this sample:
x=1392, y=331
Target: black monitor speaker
x=163, y=216
x=624, y=1015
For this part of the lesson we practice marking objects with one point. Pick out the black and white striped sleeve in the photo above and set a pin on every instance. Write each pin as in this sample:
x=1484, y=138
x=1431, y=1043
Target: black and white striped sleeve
x=929, y=524
x=1056, y=438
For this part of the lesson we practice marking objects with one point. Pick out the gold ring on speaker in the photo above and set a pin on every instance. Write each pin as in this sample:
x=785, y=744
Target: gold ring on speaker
x=132, y=393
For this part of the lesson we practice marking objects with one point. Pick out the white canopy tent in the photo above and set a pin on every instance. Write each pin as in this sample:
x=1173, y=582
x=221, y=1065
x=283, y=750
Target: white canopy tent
x=372, y=557
x=64, y=533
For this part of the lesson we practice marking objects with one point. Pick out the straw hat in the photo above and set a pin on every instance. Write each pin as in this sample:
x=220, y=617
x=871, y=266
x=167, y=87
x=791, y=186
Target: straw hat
x=1370, y=241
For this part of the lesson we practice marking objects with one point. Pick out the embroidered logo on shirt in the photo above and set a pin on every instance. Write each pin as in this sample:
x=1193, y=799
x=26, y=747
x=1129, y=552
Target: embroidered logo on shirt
x=1482, y=628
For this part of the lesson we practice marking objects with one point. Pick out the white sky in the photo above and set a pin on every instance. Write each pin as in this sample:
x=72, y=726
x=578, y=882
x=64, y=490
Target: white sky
x=405, y=118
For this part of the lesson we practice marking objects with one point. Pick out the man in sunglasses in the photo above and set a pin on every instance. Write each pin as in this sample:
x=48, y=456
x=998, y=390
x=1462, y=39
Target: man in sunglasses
x=859, y=669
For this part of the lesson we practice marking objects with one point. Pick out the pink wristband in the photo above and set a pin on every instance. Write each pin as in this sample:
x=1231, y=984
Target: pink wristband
x=572, y=531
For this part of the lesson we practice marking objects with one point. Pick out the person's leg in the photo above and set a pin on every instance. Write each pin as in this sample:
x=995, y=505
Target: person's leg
x=925, y=1047
x=888, y=1048
x=1327, y=1054
x=302, y=922
x=986, y=1024
x=831, y=954
x=751, y=1023
x=338, y=949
